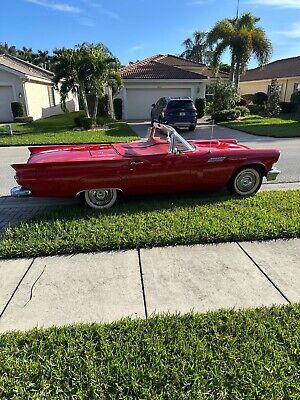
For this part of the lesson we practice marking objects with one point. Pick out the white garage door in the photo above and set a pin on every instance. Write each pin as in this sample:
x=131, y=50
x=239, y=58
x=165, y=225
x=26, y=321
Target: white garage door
x=139, y=100
x=6, y=97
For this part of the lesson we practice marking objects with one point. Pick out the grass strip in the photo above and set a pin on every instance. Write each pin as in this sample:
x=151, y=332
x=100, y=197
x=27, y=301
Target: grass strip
x=247, y=354
x=59, y=130
x=282, y=127
x=156, y=221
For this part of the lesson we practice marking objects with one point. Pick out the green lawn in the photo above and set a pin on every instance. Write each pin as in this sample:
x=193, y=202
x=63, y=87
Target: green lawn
x=224, y=355
x=156, y=221
x=59, y=130
x=284, y=126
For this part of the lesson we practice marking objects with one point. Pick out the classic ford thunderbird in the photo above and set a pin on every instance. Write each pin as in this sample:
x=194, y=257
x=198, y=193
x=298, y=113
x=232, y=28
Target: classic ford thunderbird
x=163, y=162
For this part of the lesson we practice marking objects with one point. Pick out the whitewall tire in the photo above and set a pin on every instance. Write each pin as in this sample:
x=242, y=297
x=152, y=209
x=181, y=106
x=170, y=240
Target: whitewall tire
x=100, y=198
x=245, y=182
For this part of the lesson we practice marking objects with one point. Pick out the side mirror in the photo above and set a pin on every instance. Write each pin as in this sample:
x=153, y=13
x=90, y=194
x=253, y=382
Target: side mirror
x=152, y=105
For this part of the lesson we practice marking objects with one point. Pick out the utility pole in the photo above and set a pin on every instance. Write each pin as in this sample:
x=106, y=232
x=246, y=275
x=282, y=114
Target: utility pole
x=237, y=9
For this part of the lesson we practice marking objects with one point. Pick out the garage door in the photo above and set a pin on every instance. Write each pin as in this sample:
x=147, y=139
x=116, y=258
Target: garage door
x=6, y=97
x=139, y=100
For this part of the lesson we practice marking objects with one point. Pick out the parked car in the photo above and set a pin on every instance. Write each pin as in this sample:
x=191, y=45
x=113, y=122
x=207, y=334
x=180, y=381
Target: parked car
x=164, y=162
x=175, y=111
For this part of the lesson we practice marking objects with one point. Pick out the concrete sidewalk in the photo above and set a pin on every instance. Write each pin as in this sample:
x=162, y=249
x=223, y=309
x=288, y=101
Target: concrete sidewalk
x=107, y=286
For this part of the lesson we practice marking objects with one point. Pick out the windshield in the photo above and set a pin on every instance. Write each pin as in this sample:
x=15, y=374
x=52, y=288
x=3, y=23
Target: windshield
x=179, y=144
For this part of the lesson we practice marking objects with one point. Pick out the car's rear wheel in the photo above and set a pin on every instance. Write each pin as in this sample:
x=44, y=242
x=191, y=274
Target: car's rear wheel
x=245, y=182
x=100, y=198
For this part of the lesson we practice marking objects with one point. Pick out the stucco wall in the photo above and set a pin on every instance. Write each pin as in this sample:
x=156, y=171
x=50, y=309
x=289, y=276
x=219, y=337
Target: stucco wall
x=39, y=102
x=37, y=98
x=262, y=86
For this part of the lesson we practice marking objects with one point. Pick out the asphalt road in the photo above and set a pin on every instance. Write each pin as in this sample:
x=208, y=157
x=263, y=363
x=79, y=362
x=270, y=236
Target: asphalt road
x=289, y=162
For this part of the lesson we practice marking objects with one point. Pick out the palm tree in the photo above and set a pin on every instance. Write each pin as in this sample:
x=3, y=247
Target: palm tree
x=42, y=58
x=244, y=39
x=87, y=68
x=196, y=48
x=27, y=54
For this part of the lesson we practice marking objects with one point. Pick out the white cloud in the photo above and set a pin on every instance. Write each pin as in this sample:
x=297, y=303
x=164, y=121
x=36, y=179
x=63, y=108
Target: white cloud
x=136, y=48
x=276, y=3
x=55, y=6
x=99, y=7
x=293, y=32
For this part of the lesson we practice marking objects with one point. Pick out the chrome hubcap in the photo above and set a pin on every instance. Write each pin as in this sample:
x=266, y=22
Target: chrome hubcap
x=246, y=181
x=101, y=197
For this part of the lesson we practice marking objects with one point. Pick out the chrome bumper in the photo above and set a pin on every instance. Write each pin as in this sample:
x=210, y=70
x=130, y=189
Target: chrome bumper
x=272, y=175
x=18, y=191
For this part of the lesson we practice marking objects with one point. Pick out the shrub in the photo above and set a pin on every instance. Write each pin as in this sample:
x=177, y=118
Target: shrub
x=26, y=120
x=225, y=115
x=254, y=108
x=295, y=97
x=288, y=107
x=103, y=109
x=243, y=110
x=273, y=103
x=242, y=102
x=209, y=108
x=247, y=98
x=84, y=122
x=118, y=107
x=200, y=106
x=225, y=95
x=260, y=98
x=17, y=109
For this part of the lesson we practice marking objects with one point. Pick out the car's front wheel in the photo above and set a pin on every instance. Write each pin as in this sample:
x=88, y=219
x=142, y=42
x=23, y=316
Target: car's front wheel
x=100, y=198
x=245, y=182
x=192, y=127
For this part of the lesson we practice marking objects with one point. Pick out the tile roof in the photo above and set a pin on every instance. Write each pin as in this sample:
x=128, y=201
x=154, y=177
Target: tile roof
x=285, y=68
x=24, y=67
x=149, y=68
x=152, y=69
x=177, y=61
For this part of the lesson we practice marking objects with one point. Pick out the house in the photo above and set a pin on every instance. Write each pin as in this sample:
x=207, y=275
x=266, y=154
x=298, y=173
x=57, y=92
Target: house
x=32, y=86
x=161, y=75
x=286, y=71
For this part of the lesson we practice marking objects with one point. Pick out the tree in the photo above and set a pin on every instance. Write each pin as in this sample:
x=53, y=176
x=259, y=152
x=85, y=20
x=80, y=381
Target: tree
x=273, y=103
x=42, y=59
x=26, y=54
x=196, y=48
x=89, y=69
x=243, y=38
x=225, y=95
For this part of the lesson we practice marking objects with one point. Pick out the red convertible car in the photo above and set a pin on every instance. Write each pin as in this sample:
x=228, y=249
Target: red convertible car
x=163, y=162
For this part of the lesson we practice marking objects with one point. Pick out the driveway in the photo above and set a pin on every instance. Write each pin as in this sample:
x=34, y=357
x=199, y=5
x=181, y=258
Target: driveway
x=289, y=162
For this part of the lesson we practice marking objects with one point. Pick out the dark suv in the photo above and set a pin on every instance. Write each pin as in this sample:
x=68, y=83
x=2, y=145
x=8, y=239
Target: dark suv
x=175, y=111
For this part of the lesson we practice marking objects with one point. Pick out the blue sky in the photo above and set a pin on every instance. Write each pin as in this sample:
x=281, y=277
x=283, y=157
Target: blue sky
x=135, y=29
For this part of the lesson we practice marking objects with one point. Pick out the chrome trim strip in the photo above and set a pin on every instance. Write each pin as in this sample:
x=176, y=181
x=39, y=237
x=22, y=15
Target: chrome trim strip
x=19, y=191
x=272, y=174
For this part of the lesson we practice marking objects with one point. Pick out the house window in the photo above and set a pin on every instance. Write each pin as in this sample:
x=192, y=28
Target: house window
x=296, y=87
x=209, y=96
x=51, y=95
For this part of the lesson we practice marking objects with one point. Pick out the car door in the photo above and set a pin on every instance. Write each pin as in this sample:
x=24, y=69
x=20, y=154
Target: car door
x=157, y=174
x=157, y=109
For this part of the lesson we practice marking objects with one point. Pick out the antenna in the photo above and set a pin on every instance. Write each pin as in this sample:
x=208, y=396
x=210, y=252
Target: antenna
x=237, y=9
x=211, y=134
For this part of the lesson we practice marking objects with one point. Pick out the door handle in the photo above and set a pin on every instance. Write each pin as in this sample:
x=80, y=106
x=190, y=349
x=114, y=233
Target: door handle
x=136, y=162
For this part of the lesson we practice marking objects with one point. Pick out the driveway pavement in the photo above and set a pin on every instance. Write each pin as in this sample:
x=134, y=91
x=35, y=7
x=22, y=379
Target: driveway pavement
x=104, y=287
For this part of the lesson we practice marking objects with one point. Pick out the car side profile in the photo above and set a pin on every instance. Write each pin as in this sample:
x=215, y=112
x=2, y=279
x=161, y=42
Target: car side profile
x=163, y=163
x=175, y=111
